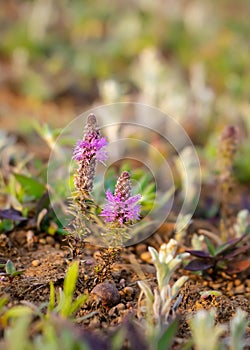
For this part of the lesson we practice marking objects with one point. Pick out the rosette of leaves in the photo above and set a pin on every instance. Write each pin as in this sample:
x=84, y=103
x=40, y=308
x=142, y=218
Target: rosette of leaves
x=10, y=270
x=228, y=256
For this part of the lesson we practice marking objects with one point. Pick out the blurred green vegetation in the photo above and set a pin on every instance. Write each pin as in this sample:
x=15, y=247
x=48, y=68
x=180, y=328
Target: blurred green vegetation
x=55, y=45
x=188, y=58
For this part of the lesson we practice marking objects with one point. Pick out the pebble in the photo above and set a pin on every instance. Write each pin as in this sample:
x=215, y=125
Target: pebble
x=230, y=285
x=146, y=256
x=129, y=305
x=115, y=310
x=122, y=282
x=50, y=240
x=141, y=248
x=42, y=241
x=237, y=282
x=58, y=262
x=95, y=322
x=35, y=263
x=107, y=293
x=129, y=291
x=239, y=289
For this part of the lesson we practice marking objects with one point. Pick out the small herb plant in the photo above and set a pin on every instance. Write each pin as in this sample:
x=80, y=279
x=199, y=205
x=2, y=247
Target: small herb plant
x=203, y=328
x=159, y=302
x=206, y=336
x=226, y=256
x=66, y=306
x=109, y=225
x=10, y=270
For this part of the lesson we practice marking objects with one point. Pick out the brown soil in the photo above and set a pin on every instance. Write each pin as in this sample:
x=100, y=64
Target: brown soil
x=48, y=257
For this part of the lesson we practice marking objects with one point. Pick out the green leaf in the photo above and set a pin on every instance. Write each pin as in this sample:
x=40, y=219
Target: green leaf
x=3, y=301
x=78, y=303
x=51, y=305
x=210, y=246
x=30, y=185
x=17, y=273
x=17, y=336
x=17, y=311
x=10, y=268
x=71, y=279
x=66, y=296
x=167, y=337
x=147, y=291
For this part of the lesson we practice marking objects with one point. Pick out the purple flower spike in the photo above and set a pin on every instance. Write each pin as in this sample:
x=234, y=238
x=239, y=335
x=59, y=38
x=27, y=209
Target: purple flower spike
x=91, y=146
x=87, y=152
x=121, y=207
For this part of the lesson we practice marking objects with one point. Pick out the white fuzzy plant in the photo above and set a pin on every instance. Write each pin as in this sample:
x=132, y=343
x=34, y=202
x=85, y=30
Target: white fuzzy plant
x=242, y=223
x=159, y=301
x=206, y=335
x=238, y=326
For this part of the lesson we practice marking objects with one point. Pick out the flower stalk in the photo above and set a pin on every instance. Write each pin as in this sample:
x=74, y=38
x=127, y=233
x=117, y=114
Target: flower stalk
x=121, y=208
x=159, y=302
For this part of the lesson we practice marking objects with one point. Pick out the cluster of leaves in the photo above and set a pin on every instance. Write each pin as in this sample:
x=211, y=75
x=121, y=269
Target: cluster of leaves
x=70, y=35
x=225, y=256
x=25, y=194
x=159, y=329
x=10, y=270
x=50, y=325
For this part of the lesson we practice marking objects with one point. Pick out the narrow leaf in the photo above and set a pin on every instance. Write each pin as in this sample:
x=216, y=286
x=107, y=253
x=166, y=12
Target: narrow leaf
x=11, y=214
x=229, y=245
x=51, y=305
x=236, y=252
x=167, y=337
x=30, y=185
x=199, y=265
x=238, y=266
x=146, y=290
x=198, y=253
x=81, y=299
x=71, y=279
x=210, y=246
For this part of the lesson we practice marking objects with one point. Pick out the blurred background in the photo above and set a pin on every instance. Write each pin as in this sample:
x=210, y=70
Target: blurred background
x=58, y=58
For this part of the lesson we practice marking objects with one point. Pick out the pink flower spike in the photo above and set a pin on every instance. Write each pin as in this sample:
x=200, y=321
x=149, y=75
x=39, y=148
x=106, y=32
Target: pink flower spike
x=121, y=207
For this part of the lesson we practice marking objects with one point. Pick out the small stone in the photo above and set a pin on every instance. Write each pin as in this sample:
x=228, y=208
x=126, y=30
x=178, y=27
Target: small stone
x=50, y=240
x=35, y=263
x=120, y=307
x=122, y=282
x=58, y=262
x=239, y=289
x=95, y=322
x=107, y=293
x=129, y=305
x=141, y=248
x=229, y=285
x=129, y=291
x=146, y=256
x=237, y=282
x=115, y=310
